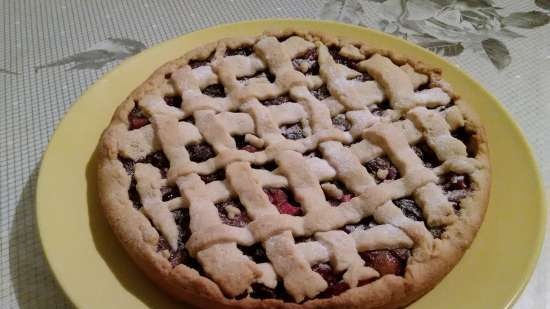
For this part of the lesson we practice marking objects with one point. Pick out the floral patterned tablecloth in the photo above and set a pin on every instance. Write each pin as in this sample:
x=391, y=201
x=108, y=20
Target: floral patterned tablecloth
x=52, y=50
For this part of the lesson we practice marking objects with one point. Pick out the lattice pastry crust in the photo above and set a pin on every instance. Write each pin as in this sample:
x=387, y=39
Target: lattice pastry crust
x=294, y=170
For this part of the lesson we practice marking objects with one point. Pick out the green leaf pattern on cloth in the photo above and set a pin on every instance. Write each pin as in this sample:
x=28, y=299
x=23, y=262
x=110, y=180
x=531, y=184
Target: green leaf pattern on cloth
x=99, y=54
x=446, y=27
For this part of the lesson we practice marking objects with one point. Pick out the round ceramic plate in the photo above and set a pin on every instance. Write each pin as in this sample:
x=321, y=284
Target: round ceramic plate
x=95, y=272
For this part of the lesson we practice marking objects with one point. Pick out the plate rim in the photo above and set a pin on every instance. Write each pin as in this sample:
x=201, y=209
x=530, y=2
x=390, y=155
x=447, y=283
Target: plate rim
x=265, y=24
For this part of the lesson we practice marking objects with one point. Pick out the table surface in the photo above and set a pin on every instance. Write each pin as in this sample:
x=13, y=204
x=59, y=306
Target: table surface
x=53, y=50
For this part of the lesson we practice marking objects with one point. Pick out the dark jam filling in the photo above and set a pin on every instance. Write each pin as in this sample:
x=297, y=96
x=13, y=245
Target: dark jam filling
x=363, y=77
x=321, y=93
x=364, y=224
x=169, y=193
x=268, y=166
x=240, y=219
x=133, y=194
x=260, y=291
x=293, y=131
x=468, y=138
x=382, y=169
x=255, y=252
x=334, y=280
x=456, y=187
x=284, y=201
x=240, y=51
x=189, y=119
x=277, y=100
x=180, y=256
x=174, y=101
x=426, y=154
x=270, y=77
x=215, y=91
x=335, y=53
x=312, y=154
x=217, y=175
x=340, y=122
x=158, y=159
x=199, y=63
x=412, y=211
x=387, y=262
x=380, y=108
x=137, y=118
x=409, y=208
x=310, y=59
x=243, y=145
x=128, y=165
x=200, y=152
x=346, y=195
x=283, y=38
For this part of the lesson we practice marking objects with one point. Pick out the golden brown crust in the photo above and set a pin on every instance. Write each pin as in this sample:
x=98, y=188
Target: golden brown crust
x=140, y=239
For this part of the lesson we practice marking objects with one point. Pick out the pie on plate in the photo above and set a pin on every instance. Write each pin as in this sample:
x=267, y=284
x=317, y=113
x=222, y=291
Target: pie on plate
x=294, y=170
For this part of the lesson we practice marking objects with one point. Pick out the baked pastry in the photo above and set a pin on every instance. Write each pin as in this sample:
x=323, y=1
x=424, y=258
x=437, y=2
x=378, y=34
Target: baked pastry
x=294, y=170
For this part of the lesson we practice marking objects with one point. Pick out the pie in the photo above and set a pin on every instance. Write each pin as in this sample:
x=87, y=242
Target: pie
x=294, y=170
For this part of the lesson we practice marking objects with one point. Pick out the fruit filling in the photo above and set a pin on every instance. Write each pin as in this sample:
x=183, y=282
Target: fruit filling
x=382, y=169
x=283, y=200
x=293, y=131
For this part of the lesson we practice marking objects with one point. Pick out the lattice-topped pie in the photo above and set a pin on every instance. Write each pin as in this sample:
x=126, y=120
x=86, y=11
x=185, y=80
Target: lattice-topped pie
x=294, y=170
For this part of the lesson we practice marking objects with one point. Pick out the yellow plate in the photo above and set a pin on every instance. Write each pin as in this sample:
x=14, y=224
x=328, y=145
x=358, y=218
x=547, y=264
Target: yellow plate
x=96, y=273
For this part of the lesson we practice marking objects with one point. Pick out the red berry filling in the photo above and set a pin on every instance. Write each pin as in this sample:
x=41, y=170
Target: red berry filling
x=334, y=280
x=136, y=118
x=387, y=262
x=284, y=202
